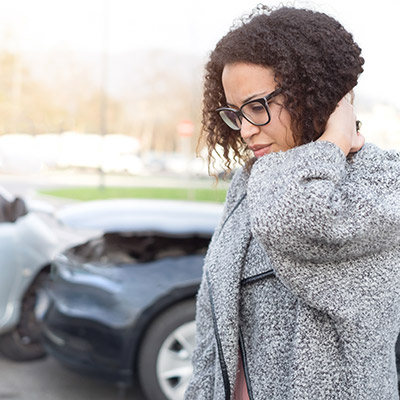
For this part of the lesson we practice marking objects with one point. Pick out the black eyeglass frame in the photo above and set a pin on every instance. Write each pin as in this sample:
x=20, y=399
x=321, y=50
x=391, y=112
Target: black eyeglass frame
x=263, y=100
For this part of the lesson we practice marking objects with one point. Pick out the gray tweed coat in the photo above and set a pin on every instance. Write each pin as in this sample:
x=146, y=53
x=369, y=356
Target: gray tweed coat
x=303, y=277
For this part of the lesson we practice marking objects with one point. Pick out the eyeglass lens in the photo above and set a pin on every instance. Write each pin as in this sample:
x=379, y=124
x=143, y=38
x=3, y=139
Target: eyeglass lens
x=255, y=112
x=231, y=119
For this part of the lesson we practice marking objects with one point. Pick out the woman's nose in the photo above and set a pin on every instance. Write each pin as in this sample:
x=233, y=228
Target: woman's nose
x=248, y=130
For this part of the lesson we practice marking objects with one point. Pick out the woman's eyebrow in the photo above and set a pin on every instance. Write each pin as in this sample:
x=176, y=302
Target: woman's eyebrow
x=252, y=97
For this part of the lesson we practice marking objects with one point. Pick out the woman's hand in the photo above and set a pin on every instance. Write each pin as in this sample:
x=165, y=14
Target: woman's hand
x=341, y=129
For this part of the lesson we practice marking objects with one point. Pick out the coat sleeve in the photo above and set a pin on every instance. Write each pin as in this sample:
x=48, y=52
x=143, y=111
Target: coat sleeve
x=308, y=203
x=331, y=228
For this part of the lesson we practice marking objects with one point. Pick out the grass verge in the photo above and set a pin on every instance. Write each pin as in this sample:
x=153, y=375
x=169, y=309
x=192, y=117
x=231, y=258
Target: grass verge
x=95, y=193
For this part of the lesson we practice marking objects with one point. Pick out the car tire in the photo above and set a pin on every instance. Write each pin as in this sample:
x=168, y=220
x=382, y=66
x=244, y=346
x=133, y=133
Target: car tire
x=165, y=358
x=23, y=342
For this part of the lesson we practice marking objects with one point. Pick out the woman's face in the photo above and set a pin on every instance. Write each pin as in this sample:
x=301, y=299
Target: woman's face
x=243, y=82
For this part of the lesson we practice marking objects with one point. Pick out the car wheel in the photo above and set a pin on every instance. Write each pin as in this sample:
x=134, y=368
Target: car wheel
x=165, y=359
x=23, y=342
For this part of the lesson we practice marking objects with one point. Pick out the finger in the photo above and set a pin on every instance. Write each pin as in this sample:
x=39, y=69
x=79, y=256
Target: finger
x=358, y=143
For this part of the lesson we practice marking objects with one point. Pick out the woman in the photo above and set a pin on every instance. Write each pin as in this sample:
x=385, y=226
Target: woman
x=300, y=297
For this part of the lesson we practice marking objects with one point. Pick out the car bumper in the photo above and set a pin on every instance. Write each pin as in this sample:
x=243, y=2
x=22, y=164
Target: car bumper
x=94, y=323
x=84, y=345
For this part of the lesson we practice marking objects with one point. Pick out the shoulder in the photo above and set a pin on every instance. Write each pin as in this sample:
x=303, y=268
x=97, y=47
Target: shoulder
x=372, y=153
x=238, y=185
x=376, y=163
x=237, y=189
x=374, y=175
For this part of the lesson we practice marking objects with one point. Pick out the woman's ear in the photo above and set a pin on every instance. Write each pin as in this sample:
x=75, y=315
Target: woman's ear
x=350, y=97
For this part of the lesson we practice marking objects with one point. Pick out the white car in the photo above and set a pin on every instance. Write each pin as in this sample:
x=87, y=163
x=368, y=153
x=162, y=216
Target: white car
x=30, y=236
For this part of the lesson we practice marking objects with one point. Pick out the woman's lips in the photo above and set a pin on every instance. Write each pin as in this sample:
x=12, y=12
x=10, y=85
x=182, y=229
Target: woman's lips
x=261, y=150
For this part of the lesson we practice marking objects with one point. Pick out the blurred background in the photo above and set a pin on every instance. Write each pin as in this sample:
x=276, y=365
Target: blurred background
x=104, y=87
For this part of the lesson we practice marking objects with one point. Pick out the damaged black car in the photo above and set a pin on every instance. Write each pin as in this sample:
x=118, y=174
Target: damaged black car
x=122, y=306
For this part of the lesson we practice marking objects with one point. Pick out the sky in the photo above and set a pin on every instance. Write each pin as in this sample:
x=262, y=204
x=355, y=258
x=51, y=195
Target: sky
x=188, y=26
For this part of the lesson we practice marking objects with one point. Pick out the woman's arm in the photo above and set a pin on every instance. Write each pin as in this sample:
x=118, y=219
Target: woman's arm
x=305, y=204
x=313, y=211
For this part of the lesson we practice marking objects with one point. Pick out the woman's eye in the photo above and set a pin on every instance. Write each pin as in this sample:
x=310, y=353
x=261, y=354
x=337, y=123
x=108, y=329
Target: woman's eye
x=257, y=108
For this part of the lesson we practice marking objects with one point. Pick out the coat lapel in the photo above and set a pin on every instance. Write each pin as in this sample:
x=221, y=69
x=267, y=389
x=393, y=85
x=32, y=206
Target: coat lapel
x=225, y=271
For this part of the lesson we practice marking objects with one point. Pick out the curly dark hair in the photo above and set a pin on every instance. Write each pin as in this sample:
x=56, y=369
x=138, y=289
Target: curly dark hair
x=315, y=61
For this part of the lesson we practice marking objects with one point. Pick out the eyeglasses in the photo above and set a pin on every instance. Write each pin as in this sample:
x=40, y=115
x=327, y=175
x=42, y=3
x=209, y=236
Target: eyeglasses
x=255, y=111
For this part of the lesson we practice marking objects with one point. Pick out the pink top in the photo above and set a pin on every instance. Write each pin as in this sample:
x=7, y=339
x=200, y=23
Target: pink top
x=240, y=385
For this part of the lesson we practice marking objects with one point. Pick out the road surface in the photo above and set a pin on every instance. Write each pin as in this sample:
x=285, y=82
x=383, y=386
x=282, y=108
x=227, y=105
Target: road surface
x=48, y=380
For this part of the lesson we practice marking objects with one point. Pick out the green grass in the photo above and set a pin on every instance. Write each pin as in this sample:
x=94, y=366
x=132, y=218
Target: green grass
x=94, y=193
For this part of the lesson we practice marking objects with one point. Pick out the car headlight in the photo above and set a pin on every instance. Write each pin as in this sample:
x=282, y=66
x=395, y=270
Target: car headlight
x=72, y=271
